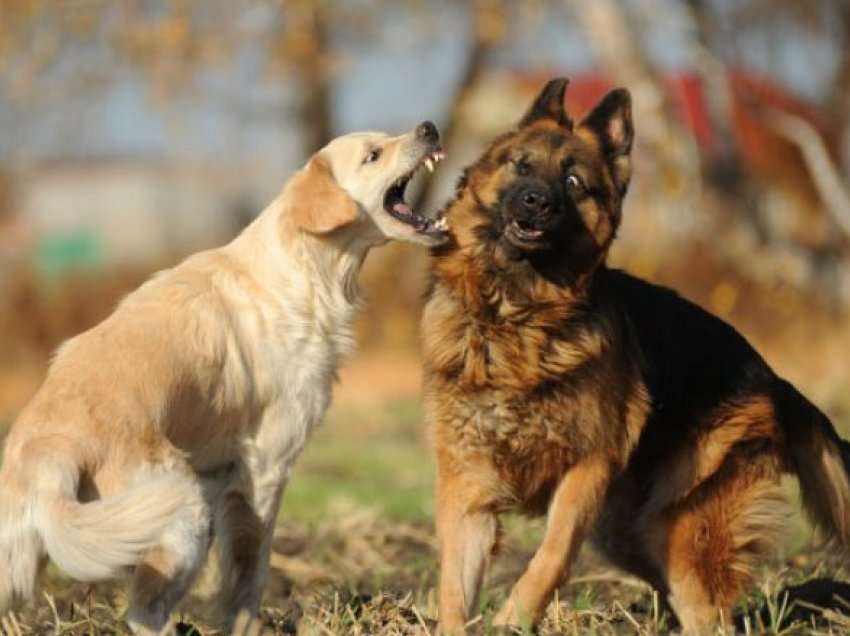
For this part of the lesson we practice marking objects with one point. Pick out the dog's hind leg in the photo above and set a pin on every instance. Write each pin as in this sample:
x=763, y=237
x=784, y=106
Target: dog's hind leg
x=712, y=542
x=168, y=569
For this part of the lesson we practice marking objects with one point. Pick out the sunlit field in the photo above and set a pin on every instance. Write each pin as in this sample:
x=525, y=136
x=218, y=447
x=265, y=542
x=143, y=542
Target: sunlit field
x=355, y=550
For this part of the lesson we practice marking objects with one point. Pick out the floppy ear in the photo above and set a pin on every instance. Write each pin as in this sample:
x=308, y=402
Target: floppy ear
x=315, y=200
x=549, y=105
x=611, y=122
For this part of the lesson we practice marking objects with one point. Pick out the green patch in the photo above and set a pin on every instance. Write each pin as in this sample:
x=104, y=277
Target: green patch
x=59, y=253
x=372, y=459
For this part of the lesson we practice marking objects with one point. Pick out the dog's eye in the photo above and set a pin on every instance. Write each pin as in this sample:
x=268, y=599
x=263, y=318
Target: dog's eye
x=574, y=184
x=373, y=156
x=523, y=168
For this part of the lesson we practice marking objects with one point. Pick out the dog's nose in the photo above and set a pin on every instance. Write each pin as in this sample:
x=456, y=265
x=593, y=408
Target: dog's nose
x=428, y=131
x=535, y=201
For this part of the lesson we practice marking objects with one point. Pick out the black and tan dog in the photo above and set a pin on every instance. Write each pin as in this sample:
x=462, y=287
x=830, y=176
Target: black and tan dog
x=627, y=414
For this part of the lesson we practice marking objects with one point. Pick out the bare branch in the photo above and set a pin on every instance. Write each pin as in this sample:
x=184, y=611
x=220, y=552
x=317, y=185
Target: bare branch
x=624, y=58
x=824, y=173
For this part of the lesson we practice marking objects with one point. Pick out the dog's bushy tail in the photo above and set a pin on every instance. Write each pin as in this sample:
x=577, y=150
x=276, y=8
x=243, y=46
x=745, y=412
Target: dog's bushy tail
x=821, y=461
x=88, y=541
x=20, y=548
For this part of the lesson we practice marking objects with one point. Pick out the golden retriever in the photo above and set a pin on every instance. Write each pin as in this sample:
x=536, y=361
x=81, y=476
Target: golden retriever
x=181, y=415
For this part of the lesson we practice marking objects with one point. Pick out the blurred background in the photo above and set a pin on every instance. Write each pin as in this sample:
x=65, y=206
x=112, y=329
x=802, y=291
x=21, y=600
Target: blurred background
x=135, y=132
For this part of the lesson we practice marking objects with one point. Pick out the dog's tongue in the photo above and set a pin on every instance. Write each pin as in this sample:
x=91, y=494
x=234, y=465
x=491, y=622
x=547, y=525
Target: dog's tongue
x=402, y=208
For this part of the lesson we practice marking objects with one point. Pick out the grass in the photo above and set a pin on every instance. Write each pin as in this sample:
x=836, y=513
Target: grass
x=355, y=553
x=367, y=457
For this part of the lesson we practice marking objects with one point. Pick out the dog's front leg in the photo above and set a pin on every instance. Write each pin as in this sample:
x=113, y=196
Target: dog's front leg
x=574, y=508
x=244, y=528
x=467, y=537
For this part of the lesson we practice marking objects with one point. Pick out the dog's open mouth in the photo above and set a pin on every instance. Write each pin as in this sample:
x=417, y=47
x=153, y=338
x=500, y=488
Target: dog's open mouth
x=524, y=235
x=398, y=208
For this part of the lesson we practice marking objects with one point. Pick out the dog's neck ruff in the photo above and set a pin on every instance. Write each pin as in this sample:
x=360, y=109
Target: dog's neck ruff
x=314, y=276
x=478, y=272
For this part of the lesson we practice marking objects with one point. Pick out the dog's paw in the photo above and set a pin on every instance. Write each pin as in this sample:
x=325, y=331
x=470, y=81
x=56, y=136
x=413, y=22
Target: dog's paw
x=507, y=616
x=511, y=621
x=186, y=629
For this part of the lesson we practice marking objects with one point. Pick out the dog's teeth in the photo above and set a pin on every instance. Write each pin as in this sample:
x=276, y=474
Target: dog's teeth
x=429, y=163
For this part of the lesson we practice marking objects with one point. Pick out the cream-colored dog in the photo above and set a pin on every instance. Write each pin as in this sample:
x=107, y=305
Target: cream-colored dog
x=181, y=415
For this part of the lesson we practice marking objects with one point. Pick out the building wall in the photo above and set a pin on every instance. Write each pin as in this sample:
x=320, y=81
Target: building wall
x=126, y=213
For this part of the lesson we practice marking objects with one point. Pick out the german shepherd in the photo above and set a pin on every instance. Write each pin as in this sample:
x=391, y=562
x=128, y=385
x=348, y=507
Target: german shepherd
x=630, y=416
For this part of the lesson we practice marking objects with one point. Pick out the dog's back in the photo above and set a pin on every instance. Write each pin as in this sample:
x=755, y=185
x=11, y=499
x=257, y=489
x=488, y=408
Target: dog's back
x=89, y=475
x=706, y=382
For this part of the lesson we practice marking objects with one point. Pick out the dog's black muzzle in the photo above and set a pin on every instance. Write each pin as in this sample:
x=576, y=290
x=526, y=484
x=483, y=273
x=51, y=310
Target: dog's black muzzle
x=529, y=213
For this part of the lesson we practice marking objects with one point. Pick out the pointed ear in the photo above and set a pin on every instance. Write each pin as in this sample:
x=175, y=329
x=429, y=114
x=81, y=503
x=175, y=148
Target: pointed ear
x=549, y=105
x=316, y=202
x=611, y=122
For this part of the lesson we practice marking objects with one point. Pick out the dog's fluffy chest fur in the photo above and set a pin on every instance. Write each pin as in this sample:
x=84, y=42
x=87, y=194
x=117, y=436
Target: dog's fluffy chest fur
x=514, y=391
x=279, y=358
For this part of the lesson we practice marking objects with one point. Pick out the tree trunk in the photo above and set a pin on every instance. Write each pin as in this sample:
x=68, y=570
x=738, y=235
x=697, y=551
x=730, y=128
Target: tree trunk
x=723, y=167
x=306, y=48
x=487, y=29
x=838, y=104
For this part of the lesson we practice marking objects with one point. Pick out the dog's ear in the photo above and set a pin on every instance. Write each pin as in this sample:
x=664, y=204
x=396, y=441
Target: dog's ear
x=549, y=105
x=611, y=123
x=316, y=202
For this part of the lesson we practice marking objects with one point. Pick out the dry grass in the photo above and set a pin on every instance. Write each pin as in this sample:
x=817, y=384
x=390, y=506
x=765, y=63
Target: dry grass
x=355, y=553
x=363, y=574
